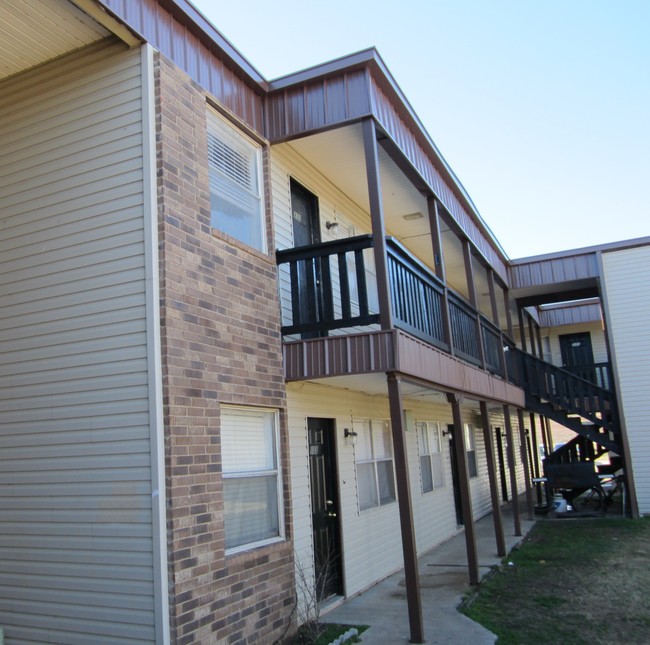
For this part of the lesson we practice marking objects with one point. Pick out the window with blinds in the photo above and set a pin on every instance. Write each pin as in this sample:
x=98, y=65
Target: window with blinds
x=234, y=163
x=470, y=447
x=430, y=451
x=374, y=462
x=251, y=479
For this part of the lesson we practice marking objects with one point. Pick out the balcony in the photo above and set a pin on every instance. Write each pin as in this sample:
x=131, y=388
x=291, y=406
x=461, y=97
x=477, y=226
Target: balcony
x=330, y=290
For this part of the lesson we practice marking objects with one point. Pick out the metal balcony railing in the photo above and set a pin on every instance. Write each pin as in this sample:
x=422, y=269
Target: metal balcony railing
x=332, y=286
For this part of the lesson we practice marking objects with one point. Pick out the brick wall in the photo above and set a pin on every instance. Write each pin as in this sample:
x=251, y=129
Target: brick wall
x=221, y=343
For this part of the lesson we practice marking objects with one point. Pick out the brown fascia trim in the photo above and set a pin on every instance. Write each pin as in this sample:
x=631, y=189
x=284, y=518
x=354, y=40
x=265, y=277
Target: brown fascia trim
x=370, y=58
x=191, y=18
x=588, y=302
x=586, y=250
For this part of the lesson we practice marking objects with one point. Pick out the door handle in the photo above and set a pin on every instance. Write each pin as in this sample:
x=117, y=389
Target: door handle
x=331, y=514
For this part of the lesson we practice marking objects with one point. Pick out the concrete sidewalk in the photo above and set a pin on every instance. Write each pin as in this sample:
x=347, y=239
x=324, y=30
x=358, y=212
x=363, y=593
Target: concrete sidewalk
x=443, y=581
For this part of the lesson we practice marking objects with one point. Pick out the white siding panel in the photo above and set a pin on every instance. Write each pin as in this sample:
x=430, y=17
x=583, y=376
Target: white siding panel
x=371, y=538
x=76, y=542
x=627, y=290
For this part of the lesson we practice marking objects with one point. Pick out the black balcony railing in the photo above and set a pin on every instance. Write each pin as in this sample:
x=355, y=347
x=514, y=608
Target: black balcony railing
x=332, y=286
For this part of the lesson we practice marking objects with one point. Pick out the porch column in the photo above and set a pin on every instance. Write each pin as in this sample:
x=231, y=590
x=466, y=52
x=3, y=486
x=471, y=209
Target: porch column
x=492, y=476
x=533, y=430
x=506, y=303
x=377, y=223
x=465, y=495
x=405, y=509
x=495, y=319
x=524, y=459
x=511, y=468
x=439, y=262
x=522, y=329
x=473, y=298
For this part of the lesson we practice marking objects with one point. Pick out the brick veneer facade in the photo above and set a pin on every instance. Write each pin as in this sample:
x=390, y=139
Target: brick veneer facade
x=221, y=343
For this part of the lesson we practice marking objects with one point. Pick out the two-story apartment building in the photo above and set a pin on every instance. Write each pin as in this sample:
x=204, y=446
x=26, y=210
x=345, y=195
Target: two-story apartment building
x=252, y=327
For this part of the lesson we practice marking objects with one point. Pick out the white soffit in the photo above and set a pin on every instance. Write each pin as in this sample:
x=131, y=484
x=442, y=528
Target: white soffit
x=33, y=32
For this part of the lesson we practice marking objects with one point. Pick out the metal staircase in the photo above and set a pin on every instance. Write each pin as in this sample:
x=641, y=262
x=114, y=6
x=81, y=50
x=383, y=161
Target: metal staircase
x=578, y=404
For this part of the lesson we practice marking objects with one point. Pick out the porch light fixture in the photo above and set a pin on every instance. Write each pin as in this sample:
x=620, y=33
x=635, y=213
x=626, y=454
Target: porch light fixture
x=329, y=225
x=412, y=216
x=350, y=434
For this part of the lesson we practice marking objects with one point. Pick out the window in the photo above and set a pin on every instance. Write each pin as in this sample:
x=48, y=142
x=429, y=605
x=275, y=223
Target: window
x=251, y=481
x=374, y=459
x=234, y=163
x=430, y=450
x=470, y=447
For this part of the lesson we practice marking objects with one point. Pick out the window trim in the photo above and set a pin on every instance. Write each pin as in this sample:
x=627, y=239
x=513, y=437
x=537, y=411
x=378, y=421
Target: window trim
x=281, y=537
x=470, y=449
x=374, y=461
x=216, y=120
x=430, y=426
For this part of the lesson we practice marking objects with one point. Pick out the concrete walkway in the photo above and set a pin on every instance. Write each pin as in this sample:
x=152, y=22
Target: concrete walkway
x=443, y=581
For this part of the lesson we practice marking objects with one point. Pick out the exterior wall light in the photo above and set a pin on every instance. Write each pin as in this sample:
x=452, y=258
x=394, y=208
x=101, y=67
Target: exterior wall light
x=350, y=434
x=330, y=225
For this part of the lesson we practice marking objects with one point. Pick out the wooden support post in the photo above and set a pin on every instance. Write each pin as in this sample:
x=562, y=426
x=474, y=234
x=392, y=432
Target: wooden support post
x=522, y=329
x=377, y=223
x=465, y=495
x=511, y=467
x=439, y=267
x=506, y=303
x=524, y=459
x=411, y=573
x=536, y=468
x=473, y=298
x=492, y=476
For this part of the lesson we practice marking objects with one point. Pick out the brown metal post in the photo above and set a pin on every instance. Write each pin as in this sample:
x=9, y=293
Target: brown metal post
x=492, y=476
x=506, y=303
x=532, y=336
x=524, y=459
x=522, y=329
x=405, y=509
x=377, y=223
x=465, y=495
x=473, y=297
x=511, y=468
x=439, y=266
x=536, y=469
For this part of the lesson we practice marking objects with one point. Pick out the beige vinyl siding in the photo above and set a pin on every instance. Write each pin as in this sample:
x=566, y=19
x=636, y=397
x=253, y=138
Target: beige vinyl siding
x=76, y=551
x=371, y=538
x=333, y=205
x=596, y=332
x=627, y=294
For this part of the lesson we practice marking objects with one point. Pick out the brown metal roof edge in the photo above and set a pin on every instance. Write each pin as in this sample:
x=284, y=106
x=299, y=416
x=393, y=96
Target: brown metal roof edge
x=586, y=250
x=371, y=58
x=190, y=17
x=570, y=305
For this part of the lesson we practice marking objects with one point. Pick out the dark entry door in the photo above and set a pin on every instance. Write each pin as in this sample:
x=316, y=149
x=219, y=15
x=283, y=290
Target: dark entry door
x=306, y=231
x=577, y=355
x=454, y=475
x=325, y=508
x=502, y=464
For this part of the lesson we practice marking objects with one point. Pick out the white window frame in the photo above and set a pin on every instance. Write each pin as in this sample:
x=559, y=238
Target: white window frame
x=431, y=461
x=470, y=449
x=240, y=187
x=373, y=460
x=275, y=471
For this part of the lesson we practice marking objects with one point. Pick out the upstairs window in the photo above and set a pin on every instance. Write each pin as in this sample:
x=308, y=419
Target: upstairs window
x=374, y=460
x=251, y=477
x=234, y=163
x=430, y=449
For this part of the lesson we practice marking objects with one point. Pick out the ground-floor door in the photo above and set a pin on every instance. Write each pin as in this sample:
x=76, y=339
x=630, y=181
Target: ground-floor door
x=325, y=507
x=502, y=464
x=454, y=475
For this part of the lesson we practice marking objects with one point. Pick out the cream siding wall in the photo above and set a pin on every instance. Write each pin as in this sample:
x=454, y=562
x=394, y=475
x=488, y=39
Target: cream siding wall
x=627, y=293
x=333, y=205
x=76, y=543
x=598, y=343
x=371, y=538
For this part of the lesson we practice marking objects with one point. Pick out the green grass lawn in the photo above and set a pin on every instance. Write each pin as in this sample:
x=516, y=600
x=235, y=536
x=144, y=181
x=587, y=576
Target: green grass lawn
x=573, y=582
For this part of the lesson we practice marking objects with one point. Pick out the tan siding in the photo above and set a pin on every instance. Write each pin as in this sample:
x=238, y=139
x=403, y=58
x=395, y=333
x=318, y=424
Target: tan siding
x=371, y=538
x=627, y=290
x=76, y=513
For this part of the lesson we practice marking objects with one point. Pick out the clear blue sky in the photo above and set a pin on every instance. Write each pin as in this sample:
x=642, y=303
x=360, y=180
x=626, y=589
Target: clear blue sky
x=542, y=108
